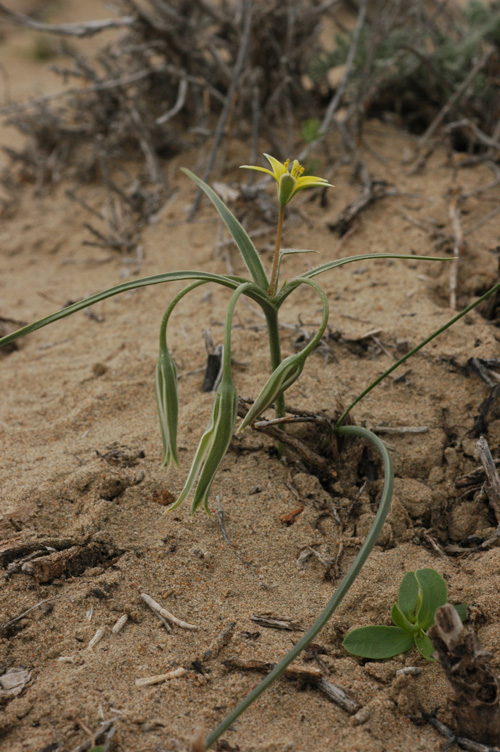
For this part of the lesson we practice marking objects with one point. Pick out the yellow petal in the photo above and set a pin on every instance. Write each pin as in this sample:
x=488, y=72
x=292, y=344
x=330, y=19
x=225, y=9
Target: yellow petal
x=308, y=181
x=279, y=168
x=259, y=169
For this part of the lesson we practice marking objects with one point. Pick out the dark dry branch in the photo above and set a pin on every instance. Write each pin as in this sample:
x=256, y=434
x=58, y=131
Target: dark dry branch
x=480, y=421
x=460, y=741
x=87, y=29
x=277, y=622
x=374, y=191
x=7, y=626
x=448, y=107
x=179, y=73
x=492, y=486
x=329, y=116
x=246, y=26
x=306, y=674
x=104, y=730
x=314, y=461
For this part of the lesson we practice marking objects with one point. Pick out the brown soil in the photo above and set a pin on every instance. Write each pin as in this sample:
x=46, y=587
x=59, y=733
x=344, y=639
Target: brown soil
x=81, y=457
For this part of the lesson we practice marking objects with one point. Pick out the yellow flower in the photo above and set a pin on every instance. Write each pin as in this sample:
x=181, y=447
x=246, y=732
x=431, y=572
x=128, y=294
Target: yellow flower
x=290, y=181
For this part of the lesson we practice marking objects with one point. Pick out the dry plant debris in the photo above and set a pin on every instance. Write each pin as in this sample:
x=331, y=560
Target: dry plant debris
x=475, y=686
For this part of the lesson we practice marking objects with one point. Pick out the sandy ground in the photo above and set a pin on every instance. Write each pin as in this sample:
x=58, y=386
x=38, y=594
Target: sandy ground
x=81, y=455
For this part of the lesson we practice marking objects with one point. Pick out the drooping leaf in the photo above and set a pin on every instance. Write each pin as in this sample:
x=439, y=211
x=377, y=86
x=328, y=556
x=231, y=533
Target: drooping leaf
x=434, y=593
x=378, y=642
x=408, y=594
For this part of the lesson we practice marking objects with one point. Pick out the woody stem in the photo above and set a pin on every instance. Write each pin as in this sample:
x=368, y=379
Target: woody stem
x=277, y=247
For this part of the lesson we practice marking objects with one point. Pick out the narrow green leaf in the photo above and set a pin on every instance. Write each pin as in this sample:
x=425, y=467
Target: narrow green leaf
x=242, y=240
x=411, y=352
x=401, y=621
x=425, y=646
x=366, y=257
x=378, y=642
x=434, y=594
x=157, y=279
x=461, y=609
x=407, y=594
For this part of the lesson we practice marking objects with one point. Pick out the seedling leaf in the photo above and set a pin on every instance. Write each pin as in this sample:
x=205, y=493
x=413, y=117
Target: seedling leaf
x=378, y=642
x=408, y=594
x=401, y=621
x=434, y=593
x=425, y=646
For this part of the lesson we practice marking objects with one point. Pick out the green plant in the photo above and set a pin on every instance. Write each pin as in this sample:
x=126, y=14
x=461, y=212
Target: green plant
x=414, y=68
x=270, y=296
x=420, y=594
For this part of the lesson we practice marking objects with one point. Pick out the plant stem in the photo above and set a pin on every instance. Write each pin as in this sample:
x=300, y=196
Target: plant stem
x=275, y=352
x=274, y=273
x=365, y=550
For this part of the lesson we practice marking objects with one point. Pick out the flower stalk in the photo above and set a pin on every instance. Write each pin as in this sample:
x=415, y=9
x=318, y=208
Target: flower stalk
x=289, y=370
x=276, y=259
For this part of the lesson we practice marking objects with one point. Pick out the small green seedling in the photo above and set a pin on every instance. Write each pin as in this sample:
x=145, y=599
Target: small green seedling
x=420, y=594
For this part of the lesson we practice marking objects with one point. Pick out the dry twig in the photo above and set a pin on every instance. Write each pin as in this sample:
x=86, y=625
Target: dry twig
x=162, y=612
x=492, y=486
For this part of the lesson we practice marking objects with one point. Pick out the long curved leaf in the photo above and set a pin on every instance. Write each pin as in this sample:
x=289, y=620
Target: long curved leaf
x=365, y=257
x=156, y=279
x=242, y=240
x=290, y=286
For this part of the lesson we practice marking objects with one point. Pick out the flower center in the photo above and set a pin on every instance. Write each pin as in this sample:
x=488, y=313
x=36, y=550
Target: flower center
x=297, y=170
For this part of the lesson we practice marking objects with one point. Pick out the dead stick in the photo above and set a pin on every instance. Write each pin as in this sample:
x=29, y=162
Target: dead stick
x=86, y=29
x=463, y=743
x=456, y=96
x=111, y=84
x=219, y=132
x=305, y=673
x=103, y=728
x=336, y=99
x=492, y=478
x=154, y=606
